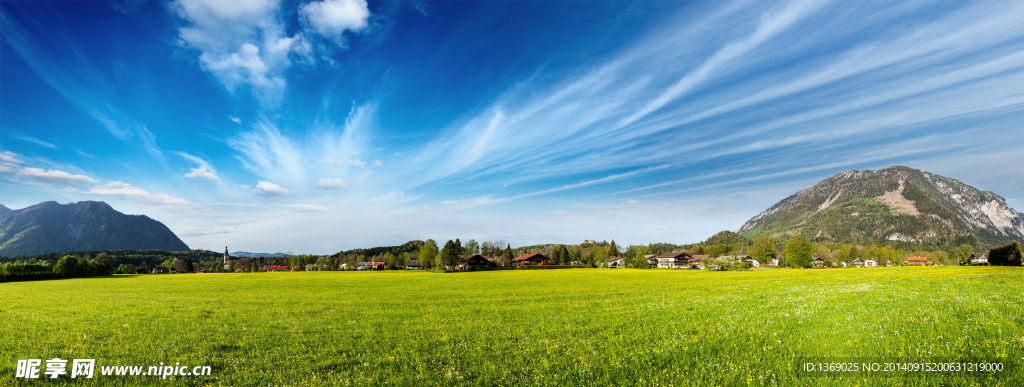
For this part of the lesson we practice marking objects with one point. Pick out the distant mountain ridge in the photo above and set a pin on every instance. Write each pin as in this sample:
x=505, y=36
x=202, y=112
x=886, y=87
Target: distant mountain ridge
x=246, y=254
x=83, y=226
x=892, y=204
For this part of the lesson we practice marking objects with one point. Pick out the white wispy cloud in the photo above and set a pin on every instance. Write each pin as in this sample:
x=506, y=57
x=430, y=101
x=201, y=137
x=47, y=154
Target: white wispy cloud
x=266, y=152
x=14, y=133
x=330, y=183
x=235, y=119
x=133, y=193
x=305, y=207
x=357, y=163
x=267, y=188
x=9, y=165
x=77, y=80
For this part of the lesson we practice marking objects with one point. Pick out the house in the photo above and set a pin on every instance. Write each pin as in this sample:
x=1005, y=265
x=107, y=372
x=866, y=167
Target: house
x=371, y=265
x=697, y=261
x=817, y=262
x=652, y=260
x=674, y=261
x=753, y=262
x=530, y=259
x=474, y=262
x=870, y=263
x=277, y=268
x=139, y=270
x=858, y=263
x=161, y=270
x=916, y=261
x=775, y=261
x=413, y=265
x=978, y=259
x=576, y=263
x=616, y=262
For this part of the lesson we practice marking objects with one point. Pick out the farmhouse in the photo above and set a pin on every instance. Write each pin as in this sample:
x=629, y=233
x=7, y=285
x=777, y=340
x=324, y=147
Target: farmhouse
x=371, y=266
x=615, y=262
x=530, y=259
x=277, y=268
x=870, y=263
x=817, y=262
x=161, y=270
x=978, y=259
x=474, y=262
x=916, y=261
x=858, y=263
x=652, y=260
x=697, y=261
x=674, y=261
x=413, y=265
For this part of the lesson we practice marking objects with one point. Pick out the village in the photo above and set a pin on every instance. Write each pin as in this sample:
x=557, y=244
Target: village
x=673, y=260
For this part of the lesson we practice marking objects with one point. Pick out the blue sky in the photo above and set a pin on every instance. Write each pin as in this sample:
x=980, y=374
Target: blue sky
x=329, y=125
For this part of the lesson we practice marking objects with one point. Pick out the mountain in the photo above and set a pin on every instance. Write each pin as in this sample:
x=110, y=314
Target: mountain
x=892, y=205
x=246, y=254
x=84, y=226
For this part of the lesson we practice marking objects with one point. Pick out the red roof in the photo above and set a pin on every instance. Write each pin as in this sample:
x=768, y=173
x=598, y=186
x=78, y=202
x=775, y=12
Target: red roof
x=527, y=257
x=282, y=268
x=917, y=259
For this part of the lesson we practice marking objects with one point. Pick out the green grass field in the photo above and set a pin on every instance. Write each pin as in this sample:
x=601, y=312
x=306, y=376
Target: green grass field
x=510, y=328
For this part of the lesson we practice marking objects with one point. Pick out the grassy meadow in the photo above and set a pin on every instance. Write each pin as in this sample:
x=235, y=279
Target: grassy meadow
x=595, y=327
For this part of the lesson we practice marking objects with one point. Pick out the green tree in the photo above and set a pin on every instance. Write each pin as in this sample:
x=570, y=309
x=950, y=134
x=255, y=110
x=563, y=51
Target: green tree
x=798, y=252
x=964, y=252
x=763, y=250
x=189, y=266
x=719, y=250
x=428, y=254
x=1008, y=255
x=67, y=267
x=556, y=255
x=613, y=250
x=450, y=255
x=508, y=256
x=566, y=257
x=472, y=247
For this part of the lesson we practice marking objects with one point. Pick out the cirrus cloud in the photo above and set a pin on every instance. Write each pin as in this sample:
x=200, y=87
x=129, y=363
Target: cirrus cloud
x=304, y=207
x=330, y=183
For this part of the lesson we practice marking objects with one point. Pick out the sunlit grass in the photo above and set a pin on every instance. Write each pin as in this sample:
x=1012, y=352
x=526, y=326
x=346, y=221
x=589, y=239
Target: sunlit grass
x=509, y=328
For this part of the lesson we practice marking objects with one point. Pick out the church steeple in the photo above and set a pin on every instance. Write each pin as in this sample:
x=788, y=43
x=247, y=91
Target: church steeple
x=226, y=257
